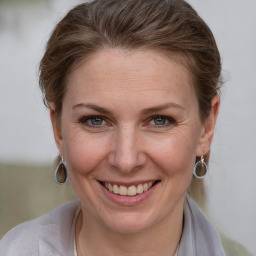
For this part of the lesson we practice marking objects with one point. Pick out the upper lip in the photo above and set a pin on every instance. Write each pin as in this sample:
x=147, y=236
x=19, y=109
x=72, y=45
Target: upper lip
x=128, y=184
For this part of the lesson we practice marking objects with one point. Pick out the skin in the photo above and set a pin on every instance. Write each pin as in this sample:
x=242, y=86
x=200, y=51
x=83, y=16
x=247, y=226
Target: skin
x=127, y=144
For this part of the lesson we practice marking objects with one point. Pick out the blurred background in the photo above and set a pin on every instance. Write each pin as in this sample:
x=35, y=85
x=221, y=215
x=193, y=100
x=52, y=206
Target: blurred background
x=27, y=148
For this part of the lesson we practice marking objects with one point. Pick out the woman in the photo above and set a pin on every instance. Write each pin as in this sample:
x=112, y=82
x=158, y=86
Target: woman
x=132, y=88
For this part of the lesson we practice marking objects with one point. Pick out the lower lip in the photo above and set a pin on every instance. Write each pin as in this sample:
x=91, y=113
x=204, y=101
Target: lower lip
x=128, y=200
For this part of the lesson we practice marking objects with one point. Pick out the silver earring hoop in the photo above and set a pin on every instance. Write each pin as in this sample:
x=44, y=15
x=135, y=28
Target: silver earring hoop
x=61, y=173
x=200, y=169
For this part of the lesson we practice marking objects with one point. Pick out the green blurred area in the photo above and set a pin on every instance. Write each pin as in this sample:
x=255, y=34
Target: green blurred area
x=233, y=248
x=28, y=191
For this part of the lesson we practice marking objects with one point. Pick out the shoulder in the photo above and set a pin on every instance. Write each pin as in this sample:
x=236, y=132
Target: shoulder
x=205, y=229
x=199, y=237
x=45, y=233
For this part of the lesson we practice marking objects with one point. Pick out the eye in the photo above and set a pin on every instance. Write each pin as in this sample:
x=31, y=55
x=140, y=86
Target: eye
x=93, y=121
x=161, y=121
x=96, y=121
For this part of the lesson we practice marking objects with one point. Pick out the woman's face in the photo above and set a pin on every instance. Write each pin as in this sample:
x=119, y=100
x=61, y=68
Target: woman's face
x=130, y=123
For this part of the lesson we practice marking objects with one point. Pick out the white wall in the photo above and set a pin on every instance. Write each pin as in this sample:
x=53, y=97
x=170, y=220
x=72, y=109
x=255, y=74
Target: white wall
x=231, y=186
x=25, y=132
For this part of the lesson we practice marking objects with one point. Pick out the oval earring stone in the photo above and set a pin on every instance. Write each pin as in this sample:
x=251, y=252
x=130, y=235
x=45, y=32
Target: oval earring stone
x=201, y=170
x=61, y=173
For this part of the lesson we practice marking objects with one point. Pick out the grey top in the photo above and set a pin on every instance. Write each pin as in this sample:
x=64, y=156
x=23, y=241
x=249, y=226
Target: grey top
x=53, y=234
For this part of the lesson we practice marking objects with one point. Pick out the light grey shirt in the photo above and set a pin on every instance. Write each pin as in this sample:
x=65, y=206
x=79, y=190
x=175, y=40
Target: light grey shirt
x=53, y=234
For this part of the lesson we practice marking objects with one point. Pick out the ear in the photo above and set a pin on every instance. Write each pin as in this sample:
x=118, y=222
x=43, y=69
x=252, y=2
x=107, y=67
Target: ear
x=56, y=128
x=208, y=128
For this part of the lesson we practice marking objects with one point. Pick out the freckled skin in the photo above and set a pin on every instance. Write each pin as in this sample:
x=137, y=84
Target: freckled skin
x=128, y=146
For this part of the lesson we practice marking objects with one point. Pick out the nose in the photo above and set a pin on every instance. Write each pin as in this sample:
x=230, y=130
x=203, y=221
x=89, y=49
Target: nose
x=127, y=154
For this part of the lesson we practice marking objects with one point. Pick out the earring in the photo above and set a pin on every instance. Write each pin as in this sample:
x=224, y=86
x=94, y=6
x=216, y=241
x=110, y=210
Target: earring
x=200, y=169
x=61, y=173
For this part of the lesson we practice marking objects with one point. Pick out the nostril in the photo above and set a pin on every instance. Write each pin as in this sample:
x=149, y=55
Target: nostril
x=125, y=161
x=127, y=154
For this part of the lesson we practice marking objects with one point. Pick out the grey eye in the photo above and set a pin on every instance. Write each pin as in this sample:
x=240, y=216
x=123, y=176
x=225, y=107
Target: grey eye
x=160, y=120
x=96, y=121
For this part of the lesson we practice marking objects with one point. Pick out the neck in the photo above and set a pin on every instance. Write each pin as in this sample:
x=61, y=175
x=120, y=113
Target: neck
x=93, y=238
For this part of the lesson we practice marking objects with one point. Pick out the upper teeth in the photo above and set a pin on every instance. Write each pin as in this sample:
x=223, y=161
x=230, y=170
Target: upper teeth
x=128, y=191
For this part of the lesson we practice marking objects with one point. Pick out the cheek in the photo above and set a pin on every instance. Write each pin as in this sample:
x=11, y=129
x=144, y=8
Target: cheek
x=83, y=154
x=175, y=154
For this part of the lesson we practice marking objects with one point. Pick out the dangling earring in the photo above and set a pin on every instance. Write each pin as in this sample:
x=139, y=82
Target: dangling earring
x=61, y=173
x=200, y=169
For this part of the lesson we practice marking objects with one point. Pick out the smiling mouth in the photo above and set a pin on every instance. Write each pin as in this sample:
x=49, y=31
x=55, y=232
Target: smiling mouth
x=132, y=190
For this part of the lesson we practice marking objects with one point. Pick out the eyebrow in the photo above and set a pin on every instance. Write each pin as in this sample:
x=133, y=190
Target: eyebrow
x=94, y=107
x=144, y=111
x=161, y=107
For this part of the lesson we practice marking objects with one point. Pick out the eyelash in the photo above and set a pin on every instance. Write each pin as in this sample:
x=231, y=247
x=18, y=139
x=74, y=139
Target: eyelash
x=168, y=119
x=85, y=120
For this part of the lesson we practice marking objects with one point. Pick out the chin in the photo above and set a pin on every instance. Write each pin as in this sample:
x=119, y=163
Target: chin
x=128, y=223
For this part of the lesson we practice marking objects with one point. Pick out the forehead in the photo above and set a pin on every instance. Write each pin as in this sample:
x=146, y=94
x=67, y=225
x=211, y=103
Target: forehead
x=128, y=75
